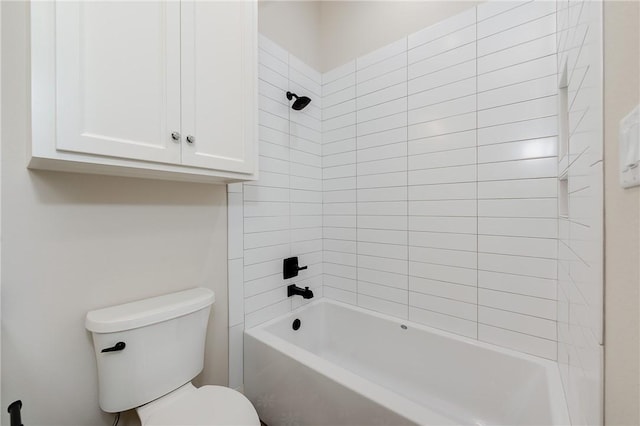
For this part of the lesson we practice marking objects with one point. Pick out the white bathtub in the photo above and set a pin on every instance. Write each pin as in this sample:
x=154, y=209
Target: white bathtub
x=351, y=366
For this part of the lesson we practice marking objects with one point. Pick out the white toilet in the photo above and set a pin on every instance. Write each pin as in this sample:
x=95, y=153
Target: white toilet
x=147, y=354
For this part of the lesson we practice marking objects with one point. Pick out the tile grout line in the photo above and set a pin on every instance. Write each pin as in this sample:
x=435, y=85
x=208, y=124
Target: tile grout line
x=355, y=64
x=407, y=170
x=289, y=166
x=477, y=202
x=322, y=276
x=558, y=205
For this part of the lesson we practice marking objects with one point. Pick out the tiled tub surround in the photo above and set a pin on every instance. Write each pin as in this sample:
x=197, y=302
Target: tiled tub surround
x=440, y=177
x=580, y=264
x=280, y=215
x=433, y=180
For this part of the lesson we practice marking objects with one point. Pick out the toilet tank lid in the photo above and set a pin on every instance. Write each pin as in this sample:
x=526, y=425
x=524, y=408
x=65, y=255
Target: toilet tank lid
x=148, y=311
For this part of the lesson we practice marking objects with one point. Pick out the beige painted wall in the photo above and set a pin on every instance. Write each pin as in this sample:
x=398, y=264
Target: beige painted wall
x=622, y=217
x=326, y=34
x=73, y=242
x=294, y=25
x=353, y=28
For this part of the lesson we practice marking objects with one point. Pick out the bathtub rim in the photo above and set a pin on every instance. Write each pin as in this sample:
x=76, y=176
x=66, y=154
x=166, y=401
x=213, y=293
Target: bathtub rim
x=386, y=397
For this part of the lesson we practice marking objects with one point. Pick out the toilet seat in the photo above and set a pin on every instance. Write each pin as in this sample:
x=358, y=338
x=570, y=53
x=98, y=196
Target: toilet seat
x=205, y=406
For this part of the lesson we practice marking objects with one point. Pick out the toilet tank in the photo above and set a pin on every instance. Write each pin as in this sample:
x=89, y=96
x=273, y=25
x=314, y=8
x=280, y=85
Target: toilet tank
x=148, y=348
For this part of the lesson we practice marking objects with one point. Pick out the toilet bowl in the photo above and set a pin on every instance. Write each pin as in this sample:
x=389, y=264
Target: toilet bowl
x=148, y=352
x=207, y=405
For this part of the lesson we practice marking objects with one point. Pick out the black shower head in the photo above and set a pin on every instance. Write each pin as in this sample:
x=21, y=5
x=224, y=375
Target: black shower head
x=300, y=102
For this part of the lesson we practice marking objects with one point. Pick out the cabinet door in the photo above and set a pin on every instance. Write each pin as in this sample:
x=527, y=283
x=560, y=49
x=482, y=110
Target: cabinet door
x=219, y=98
x=118, y=79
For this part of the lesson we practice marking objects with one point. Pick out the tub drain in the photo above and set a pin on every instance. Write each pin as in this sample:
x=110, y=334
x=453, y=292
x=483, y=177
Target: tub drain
x=296, y=324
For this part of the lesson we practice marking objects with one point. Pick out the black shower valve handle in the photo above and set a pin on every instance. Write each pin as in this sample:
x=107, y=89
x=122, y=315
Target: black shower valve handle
x=290, y=267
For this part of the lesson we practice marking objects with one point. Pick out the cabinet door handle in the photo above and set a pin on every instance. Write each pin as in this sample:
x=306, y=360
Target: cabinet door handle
x=175, y=136
x=191, y=139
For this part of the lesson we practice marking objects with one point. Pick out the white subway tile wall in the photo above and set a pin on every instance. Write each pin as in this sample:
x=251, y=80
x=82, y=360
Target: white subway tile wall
x=422, y=182
x=517, y=177
x=279, y=215
x=580, y=257
x=443, y=207
x=381, y=184
x=339, y=182
x=455, y=159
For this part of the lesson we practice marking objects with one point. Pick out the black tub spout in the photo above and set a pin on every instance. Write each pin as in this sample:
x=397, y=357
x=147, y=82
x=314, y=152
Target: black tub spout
x=292, y=290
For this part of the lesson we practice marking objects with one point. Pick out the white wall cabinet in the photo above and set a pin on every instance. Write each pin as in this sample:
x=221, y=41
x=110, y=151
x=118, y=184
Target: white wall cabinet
x=217, y=102
x=157, y=89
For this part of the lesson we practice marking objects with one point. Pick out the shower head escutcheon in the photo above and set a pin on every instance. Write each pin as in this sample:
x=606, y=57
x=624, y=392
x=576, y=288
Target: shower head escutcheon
x=300, y=102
